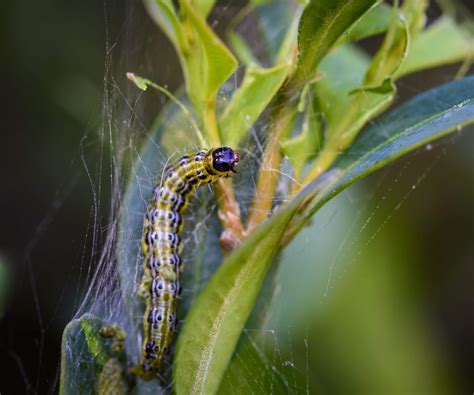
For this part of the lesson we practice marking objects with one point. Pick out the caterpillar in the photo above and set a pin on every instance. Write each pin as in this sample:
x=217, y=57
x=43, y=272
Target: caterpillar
x=161, y=248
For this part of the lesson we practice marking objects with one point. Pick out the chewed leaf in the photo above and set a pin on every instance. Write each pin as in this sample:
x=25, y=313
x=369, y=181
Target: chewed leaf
x=85, y=359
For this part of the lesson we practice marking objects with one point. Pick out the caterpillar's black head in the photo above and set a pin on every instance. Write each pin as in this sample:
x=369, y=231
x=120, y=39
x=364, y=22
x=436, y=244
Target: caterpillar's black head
x=224, y=160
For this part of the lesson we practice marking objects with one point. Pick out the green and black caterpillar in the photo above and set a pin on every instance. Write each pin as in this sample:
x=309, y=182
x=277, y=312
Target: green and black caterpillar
x=161, y=247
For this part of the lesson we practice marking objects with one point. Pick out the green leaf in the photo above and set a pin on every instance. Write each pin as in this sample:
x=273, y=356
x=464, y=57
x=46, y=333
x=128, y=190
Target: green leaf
x=164, y=15
x=428, y=116
x=205, y=60
x=252, y=371
x=213, y=326
x=322, y=23
x=406, y=24
x=370, y=101
x=253, y=95
x=444, y=42
x=343, y=71
x=392, y=52
x=208, y=64
x=375, y=21
x=367, y=102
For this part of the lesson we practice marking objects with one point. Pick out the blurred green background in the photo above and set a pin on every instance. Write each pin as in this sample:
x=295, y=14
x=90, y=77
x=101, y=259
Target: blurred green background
x=375, y=297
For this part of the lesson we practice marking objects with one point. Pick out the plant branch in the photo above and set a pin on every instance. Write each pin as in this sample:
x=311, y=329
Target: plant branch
x=282, y=120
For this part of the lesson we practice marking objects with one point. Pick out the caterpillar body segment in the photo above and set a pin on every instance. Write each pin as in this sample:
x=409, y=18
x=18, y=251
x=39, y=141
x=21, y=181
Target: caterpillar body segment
x=162, y=246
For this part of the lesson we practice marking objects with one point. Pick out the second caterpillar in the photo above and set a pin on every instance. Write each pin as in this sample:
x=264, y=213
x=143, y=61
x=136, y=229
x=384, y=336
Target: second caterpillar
x=161, y=247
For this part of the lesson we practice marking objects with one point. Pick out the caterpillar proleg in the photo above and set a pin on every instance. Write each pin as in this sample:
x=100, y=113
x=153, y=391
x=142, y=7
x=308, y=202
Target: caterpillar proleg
x=161, y=247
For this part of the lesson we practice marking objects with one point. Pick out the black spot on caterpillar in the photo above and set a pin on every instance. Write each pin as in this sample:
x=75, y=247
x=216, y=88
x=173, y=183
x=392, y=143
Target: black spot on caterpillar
x=161, y=247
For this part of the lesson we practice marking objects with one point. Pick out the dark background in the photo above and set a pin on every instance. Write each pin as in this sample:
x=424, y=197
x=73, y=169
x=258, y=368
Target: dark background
x=58, y=60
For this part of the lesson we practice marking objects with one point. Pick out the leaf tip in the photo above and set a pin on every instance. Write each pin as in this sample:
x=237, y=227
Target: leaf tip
x=138, y=81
